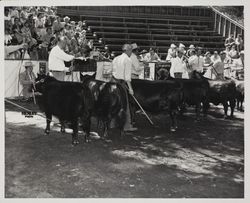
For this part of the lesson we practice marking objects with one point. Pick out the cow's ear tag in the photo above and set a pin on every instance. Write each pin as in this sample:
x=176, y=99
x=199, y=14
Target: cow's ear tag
x=42, y=80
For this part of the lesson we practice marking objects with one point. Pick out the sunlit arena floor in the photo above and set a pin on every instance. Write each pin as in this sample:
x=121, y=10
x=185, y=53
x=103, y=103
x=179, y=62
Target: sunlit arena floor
x=202, y=159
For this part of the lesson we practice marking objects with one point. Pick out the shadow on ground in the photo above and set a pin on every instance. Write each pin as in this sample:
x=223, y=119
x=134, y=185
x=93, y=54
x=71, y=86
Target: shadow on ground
x=202, y=159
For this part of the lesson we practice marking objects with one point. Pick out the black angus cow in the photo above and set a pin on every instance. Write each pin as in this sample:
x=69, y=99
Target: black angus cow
x=68, y=101
x=109, y=102
x=194, y=93
x=222, y=92
x=240, y=94
x=156, y=96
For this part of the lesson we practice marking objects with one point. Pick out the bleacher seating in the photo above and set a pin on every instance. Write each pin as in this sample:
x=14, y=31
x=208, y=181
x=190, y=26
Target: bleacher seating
x=149, y=30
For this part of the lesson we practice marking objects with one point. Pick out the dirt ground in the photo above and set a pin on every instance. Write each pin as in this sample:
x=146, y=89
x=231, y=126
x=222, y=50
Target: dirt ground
x=201, y=160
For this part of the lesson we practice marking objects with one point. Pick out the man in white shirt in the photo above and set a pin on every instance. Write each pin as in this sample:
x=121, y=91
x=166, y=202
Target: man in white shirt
x=57, y=57
x=122, y=66
x=137, y=67
x=196, y=62
x=178, y=66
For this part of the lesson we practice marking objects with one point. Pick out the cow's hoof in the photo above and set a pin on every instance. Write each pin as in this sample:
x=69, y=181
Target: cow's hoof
x=225, y=117
x=46, y=132
x=62, y=130
x=87, y=140
x=172, y=129
x=75, y=142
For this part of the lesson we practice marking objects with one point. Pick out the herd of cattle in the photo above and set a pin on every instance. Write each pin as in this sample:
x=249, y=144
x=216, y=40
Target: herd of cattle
x=79, y=101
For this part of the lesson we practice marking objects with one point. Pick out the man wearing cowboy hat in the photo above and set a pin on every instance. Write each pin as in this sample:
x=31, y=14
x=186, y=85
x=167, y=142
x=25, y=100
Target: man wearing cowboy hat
x=178, y=66
x=137, y=67
x=191, y=48
x=143, y=54
x=57, y=57
x=27, y=79
x=171, y=52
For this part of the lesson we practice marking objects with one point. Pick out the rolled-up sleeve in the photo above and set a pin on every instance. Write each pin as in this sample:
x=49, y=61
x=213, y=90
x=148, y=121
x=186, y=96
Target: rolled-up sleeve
x=62, y=55
x=127, y=71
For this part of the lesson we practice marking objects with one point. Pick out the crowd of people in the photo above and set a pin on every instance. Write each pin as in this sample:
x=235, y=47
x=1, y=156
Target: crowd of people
x=31, y=33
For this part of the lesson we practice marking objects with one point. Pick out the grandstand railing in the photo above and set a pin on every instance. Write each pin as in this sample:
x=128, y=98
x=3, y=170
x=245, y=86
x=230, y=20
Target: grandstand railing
x=226, y=26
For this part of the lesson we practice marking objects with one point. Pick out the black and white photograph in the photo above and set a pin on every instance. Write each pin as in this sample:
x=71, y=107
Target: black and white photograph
x=124, y=101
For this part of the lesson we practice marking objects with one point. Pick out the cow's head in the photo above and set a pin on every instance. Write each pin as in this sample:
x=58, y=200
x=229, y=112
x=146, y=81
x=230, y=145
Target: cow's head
x=40, y=83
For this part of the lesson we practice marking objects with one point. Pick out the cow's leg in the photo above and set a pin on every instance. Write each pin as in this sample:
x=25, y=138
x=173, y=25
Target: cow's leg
x=238, y=104
x=62, y=126
x=225, y=105
x=232, y=106
x=205, y=107
x=86, y=120
x=198, y=110
x=48, y=121
x=241, y=105
x=75, y=139
x=173, y=115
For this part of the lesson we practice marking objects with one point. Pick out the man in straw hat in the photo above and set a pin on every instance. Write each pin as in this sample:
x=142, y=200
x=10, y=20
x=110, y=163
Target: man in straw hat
x=137, y=67
x=27, y=79
x=122, y=66
x=178, y=66
x=171, y=52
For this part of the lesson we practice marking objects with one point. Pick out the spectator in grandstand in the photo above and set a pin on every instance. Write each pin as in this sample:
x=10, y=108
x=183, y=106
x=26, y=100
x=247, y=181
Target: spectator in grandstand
x=46, y=41
x=233, y=53
x=227, y=50
x=23, y=15
x=7, y=37
x=178, y=66
x=57, y=25
x=152, y=56
x=49, y=21
x=143, y=54
x=215, y=57
x=218, y=67
x=27, y=79
x=66, y=21
x=26, y=33
x=191, y=48
x=14, y=13
x=16, y=30
x=230, y=40
x=137, y=67
x=171, y=52
x=7, y=16
x=106, y=54
x=79, y=26
x=40, y=25
x=57, y=57
x=239, y=43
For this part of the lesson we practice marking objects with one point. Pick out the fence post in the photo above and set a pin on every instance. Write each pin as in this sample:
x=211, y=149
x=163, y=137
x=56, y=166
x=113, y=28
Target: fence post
x=219, y=28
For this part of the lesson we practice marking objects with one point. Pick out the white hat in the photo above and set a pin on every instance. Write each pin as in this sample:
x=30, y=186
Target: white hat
x=181, y=45
x=66, y=17
x=28, y=63
x=172, y=46
x=191, y=46
x=134, y=46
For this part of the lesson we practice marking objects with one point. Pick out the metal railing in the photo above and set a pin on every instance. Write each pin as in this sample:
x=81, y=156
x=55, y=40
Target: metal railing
x=226, y=26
